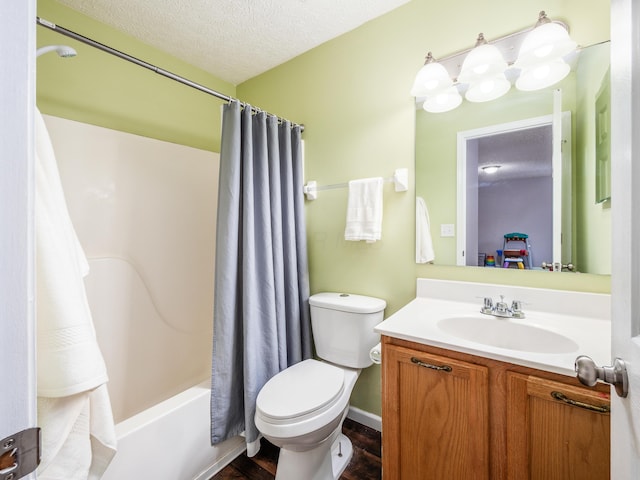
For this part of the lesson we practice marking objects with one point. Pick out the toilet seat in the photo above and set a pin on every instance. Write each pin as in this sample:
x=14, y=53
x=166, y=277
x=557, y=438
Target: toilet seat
x=303, y=390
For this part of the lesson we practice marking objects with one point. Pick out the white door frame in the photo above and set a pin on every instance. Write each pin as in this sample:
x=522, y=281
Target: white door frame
x=561, y=160
x=625, y=186
x=17, y=340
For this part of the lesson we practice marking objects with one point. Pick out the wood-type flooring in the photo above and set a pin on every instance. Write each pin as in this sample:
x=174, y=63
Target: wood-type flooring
x=364, y=465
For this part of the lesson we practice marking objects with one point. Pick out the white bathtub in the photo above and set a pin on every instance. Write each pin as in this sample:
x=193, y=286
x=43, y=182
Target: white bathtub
x=171, y=441
x=145, y=213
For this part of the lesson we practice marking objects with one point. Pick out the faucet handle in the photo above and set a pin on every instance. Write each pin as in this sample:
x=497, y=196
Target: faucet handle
x=516, y=309
x=487, y=307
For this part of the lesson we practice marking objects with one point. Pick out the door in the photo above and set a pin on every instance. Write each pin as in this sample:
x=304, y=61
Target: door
x=17, y=340
x=625, y=187
x=436, y=415
x=556, y=431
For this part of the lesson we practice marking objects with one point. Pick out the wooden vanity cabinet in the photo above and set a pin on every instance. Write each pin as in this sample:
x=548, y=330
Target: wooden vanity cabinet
x=556, y=431
x=449, y=415
x=438, y=412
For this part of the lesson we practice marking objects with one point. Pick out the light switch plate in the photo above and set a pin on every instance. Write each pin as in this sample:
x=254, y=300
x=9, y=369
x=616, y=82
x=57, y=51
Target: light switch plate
x=447, y=230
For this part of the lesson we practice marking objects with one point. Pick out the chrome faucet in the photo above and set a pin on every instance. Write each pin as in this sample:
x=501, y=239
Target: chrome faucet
x=502, y=309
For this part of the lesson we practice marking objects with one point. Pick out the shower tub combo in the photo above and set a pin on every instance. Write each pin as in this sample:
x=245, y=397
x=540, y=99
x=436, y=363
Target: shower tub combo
x=145, y=213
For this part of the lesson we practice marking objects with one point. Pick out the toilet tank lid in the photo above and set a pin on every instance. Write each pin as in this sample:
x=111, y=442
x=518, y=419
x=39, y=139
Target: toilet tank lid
x=347, y=302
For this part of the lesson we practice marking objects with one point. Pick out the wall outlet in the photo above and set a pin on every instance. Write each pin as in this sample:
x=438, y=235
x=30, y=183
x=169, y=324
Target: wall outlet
x=447, y=230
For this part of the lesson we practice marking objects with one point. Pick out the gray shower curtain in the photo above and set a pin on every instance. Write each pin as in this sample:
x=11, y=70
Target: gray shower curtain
x=261, y=304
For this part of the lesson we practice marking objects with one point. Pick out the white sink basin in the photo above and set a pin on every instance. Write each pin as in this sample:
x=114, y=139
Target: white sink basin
x=506, y=333
x=559, y=324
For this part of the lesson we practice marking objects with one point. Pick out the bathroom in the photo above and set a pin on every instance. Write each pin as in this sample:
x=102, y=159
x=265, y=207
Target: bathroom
x=365, y=111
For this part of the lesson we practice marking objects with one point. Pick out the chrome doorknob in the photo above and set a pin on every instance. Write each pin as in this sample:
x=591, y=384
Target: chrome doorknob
x=589, y=373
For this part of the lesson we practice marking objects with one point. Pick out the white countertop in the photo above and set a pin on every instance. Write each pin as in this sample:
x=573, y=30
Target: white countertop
x=582, y=317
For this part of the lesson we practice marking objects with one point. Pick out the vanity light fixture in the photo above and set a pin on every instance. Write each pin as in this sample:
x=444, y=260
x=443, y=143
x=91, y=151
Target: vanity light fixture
x=431, y=78
x=483, y=69
x=443, y=101
x=490, y=68
x=543, y=75
x=541, y=53
x=490, y=168
x=434, y=83
x=548, y=41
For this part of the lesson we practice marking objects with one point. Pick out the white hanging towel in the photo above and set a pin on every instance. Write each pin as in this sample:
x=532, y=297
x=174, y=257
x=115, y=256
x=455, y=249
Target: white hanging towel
x=424, y=242
x=364, y=210
x=74, y=411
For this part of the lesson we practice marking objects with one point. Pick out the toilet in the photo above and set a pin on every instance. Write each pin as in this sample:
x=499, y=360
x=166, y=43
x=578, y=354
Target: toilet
x=301, y=409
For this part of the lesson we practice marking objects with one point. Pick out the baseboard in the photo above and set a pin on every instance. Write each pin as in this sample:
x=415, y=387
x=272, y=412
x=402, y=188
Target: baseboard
x=365, y=418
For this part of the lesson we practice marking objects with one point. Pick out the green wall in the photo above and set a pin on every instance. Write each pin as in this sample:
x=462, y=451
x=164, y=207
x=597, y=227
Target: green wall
x=593, y=225
x=101, y=89
x=352, y=94
x=436, y=139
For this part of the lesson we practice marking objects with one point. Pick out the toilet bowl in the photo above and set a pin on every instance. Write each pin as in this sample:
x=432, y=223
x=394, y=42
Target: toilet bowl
x=302, y=408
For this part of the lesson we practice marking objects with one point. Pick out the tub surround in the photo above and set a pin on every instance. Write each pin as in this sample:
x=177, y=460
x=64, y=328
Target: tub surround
x=583, y=318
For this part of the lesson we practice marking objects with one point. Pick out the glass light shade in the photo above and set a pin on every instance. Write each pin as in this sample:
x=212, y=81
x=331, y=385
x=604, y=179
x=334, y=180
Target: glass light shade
x=431, y=78
x=544, y=43
x=481, y=62
x=488, y=89
x=542, y=75
x=443, y=101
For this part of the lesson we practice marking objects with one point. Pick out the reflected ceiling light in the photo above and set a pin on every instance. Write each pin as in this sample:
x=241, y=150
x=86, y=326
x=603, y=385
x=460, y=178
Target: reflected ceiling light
x=443, y=101
x=547, y=41
x=490, y=168
x=431, y=78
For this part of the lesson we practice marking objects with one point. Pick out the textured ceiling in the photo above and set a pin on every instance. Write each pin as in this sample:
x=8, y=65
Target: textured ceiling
x=234, y=39
x=521, y=154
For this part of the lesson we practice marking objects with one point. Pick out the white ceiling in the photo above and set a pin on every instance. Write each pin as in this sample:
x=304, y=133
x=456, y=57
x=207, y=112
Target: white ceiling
x=233, y=39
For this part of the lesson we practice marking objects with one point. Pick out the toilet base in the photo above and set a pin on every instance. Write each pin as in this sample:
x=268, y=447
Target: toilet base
x=341, y=453
x=325, y=462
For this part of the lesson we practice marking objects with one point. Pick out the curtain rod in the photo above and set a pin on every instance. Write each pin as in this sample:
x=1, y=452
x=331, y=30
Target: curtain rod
x=148, y=66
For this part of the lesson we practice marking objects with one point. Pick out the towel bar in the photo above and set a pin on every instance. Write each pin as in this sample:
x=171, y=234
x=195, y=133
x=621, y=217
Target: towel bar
x=400, y=179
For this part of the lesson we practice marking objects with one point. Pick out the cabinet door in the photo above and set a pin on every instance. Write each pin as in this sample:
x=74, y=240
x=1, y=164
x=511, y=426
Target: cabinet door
x=556, y=431
x=435, y=417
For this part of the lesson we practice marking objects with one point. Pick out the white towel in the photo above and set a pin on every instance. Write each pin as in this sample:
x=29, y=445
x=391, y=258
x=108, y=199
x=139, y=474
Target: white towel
x=424, y=242
x=364, y=210
x=71, y=371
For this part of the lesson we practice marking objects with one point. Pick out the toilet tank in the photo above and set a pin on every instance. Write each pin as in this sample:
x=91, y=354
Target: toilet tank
x=343, y=325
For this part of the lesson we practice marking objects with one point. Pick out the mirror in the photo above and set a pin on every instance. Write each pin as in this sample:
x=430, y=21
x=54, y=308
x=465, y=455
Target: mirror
x=580, y=224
